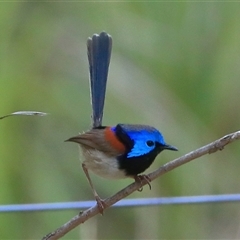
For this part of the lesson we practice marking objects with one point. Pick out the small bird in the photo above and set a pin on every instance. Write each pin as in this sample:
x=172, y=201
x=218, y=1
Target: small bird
x=113, y=152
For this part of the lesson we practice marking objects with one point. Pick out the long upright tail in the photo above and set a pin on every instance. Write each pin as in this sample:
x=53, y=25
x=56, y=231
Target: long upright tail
x=99, y=54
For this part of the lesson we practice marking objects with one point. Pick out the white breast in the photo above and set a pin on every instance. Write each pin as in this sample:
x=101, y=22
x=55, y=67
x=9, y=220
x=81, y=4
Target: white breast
x=101, y=164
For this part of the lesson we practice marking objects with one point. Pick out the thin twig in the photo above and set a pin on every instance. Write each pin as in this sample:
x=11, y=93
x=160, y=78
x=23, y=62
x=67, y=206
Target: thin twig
x=85, y=215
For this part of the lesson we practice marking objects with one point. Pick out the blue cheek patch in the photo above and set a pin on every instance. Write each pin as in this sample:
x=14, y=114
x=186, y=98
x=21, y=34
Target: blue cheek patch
x=140, y=138
x=139, y=135
x=140, y=148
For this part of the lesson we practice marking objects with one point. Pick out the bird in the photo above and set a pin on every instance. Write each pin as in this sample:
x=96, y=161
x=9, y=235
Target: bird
x=119, y=151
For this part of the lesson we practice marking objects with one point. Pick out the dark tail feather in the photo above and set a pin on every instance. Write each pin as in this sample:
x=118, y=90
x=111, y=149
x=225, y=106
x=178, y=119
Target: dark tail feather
x=99, y=53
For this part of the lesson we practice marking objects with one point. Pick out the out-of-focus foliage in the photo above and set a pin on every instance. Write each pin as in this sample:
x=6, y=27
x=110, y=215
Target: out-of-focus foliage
x=174, y=66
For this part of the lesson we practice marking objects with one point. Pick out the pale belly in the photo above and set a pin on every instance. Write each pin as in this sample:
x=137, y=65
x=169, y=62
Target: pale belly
x=101, y=164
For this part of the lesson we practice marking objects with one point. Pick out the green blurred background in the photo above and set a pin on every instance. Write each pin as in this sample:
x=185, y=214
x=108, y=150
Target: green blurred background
x=175, y=66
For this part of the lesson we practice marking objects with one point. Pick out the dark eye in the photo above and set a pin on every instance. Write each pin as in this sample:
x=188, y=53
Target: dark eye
x=150, y=143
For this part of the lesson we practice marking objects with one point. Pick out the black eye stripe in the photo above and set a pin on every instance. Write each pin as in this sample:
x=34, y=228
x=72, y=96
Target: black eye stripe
x=150, y=143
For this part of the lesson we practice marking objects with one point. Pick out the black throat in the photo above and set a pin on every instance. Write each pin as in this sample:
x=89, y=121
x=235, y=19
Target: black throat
x=136, y=165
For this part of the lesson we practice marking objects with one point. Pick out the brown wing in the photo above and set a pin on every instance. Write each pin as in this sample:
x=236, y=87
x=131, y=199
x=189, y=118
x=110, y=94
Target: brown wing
x=95, y=138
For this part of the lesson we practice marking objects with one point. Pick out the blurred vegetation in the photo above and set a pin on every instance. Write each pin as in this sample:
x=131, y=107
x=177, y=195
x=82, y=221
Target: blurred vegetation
x=174, y=66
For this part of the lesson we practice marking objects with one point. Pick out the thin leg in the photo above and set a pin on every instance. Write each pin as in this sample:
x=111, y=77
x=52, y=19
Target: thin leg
x=139, y=178
x=100, y=202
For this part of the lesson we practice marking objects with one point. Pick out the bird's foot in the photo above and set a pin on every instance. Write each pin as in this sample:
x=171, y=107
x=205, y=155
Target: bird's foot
x=100, y=203
x=139, y=178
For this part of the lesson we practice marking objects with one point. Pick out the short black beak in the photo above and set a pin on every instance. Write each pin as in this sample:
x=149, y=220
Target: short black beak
x=169, y=147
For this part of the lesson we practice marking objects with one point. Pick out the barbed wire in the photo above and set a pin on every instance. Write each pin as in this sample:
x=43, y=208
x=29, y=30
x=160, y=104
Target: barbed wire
x=134, y=202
